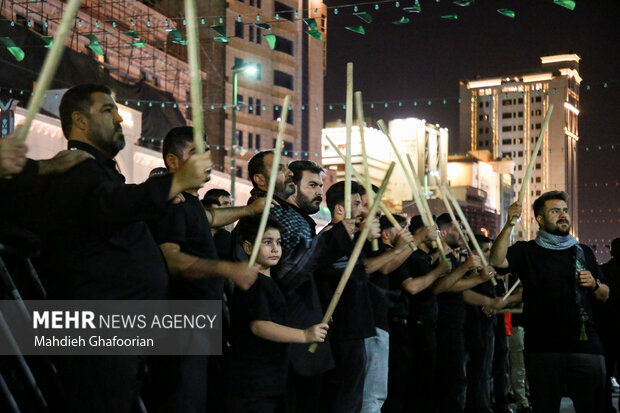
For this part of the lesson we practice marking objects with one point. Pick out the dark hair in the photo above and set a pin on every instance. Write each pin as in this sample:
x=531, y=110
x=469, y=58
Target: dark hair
x=209, y=201
x=482, y=239
x=443, y=220
x=615, y=247
x=335, y=194
x=374, y=187
x=176, y=140
x=298, y=168
x=248, y=227
x=416, y=223
x=256, y=165
x=385, y=223
x=78, y=99
x=216, y=193
x=539, y=204
x=160, y=170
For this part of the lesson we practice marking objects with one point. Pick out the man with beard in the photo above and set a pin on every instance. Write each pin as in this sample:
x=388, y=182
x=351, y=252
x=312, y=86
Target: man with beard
x=560, y=277
x=96, y=244
x=299, y=193
x=353, y=318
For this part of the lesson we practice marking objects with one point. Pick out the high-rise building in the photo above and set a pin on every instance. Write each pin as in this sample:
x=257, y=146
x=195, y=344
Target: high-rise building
x=504, y=115
x=295, y=67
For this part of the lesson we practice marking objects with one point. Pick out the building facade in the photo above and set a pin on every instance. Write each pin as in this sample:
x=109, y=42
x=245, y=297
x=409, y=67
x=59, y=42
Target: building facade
x=504, y=115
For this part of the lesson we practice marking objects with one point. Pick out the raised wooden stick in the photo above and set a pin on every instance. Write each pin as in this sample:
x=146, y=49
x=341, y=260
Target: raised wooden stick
x=446, y=202
x=415, y=191
x=355, y=254
x=349, y=128
x=193, y=52
x=382, y=206
x=468, y=230
x=514, y=286
x=275, y=165
x=359, y=108
x=530, y=167
x=49, y=66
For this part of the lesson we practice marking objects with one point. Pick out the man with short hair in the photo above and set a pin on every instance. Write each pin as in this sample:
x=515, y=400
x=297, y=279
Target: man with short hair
x=222, y=196
x=185, y=239
x=353, y=319
x=451, y=384
x=97, y=245
x=561, y=280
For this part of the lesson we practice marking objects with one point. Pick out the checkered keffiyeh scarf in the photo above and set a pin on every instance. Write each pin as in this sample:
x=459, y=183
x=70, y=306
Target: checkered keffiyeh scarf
x=294, y=225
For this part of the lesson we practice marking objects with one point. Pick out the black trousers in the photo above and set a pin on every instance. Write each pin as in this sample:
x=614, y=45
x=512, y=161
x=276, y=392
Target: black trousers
x=610, y=347
x=100, y=384
x=553, y=375
x=450, y=383
x=266, y=404
x=500, y=371
x=399, y=368
x=177, y=384
x=479, y=365
x=423, y=368
x=303, y=394
x=343, y=387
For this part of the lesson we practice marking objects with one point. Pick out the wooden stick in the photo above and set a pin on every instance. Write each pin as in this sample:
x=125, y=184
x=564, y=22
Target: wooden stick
x=382, y=206
x=530, y=167
x=349, y=129
x=355, y=253
x=514, y=286
x=412, y=185
x=446, y=202
x=49, y=66
x=193, y=52
x=426, y=209
x=275, y=165
x=468, y=230
x=359, y=108
x=518, y=310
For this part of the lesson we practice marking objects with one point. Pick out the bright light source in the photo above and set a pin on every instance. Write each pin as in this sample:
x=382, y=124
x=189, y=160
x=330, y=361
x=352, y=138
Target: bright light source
x=454, y=171
x=250, y=69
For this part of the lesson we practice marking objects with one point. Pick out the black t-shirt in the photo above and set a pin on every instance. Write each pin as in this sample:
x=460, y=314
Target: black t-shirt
x=423, y=305
x=255, y=367
x=187, y=225
x=378, y=289
x=551, y=316
x=478, y=326
x=353, y=318
x=222, y=241
x=451, y=306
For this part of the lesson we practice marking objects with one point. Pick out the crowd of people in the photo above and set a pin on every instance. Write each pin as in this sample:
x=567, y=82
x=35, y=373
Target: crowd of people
x=414, y=331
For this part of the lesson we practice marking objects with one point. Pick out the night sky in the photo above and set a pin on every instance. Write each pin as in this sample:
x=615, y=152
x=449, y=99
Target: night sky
x=427, y=57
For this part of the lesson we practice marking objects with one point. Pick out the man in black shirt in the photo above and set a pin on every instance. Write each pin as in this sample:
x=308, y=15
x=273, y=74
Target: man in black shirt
x=353, y=318
x=184, y=237
x=608, y=318
x=451, y=383
x=560, y=280
x=96, y=244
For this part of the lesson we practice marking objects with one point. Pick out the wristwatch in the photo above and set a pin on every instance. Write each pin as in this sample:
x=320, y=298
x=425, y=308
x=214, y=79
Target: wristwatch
x=598, y=284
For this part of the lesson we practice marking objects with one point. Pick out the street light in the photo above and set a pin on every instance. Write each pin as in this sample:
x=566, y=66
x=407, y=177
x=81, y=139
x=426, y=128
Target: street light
x=250, y=69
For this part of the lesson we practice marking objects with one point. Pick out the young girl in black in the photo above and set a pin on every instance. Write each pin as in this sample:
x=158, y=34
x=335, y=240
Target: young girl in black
x=256, y=363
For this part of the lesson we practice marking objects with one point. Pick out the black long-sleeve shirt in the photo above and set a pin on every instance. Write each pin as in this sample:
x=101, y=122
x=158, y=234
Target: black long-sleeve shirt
x=95, y=242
